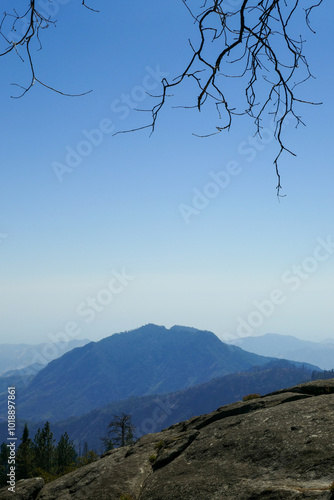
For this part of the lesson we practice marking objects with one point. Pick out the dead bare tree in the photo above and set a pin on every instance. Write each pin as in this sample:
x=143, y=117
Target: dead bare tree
x=256, y=41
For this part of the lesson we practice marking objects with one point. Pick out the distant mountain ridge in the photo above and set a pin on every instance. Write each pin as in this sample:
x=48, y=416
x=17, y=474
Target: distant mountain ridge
x=23, y=356
x=156, y=412
x=289, y=347
x=148, y=360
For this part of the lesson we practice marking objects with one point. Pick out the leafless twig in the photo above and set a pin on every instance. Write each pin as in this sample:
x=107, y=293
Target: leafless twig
x=34, y=22
x=256, y=42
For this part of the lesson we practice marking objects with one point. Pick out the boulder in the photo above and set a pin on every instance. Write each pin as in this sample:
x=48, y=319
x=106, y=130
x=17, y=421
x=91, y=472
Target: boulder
x=25, y=489
x=279, y=446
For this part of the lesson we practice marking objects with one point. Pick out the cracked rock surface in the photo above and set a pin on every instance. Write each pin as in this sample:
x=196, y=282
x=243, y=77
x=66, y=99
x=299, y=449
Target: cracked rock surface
x=279, y=446
x=26, y=489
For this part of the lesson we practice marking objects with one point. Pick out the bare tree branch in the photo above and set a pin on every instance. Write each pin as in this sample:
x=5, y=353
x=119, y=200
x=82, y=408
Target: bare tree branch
x=34, y=22
x=255, y=43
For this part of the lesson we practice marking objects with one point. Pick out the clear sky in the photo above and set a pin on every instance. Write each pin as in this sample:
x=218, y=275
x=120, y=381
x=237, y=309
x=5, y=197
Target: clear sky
x=168, y=229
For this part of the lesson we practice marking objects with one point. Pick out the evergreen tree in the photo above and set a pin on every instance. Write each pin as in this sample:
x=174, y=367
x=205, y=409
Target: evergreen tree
x=107, y=444
x=90, y=457
x=44, y=449
x=25, y=456
x=129, y=438
x=65, y=453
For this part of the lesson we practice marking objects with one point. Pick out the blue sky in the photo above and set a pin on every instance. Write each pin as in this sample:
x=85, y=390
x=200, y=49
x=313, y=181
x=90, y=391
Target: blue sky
x=112, y=246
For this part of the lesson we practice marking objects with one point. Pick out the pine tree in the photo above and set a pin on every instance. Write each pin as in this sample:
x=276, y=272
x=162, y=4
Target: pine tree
x=44, y=449
x=25, y=456
x=65, y=453
x=129, y=438
x=90, y=457
x=121, y=431
x=107, y=444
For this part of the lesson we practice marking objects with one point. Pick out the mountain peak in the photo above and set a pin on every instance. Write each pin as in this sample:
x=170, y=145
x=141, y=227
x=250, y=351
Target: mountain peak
x=177, y=328
x=149, y=360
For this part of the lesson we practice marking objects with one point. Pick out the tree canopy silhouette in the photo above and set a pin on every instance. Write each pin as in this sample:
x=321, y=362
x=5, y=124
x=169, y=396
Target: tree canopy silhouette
x=121, y=430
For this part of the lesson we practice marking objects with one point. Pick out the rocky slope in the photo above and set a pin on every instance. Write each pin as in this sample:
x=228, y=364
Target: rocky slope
x=279, y=446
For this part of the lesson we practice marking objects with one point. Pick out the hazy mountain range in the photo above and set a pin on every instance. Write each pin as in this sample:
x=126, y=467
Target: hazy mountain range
x=154, y=413
x=134, y=372
x=33, y=357
x=289, y=347
x=148, y=360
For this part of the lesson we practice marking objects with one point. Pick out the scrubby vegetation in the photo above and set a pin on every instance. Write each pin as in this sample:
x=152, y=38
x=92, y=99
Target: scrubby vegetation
x=251, y=396
x=159, y=445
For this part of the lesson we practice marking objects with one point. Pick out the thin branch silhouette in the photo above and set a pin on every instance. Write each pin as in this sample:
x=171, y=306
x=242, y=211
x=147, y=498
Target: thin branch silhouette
x=34, y=22
x=256, y=43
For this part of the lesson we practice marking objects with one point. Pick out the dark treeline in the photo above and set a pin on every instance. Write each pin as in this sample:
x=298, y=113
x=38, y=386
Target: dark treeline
x=325, y=375
x=42, y=457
